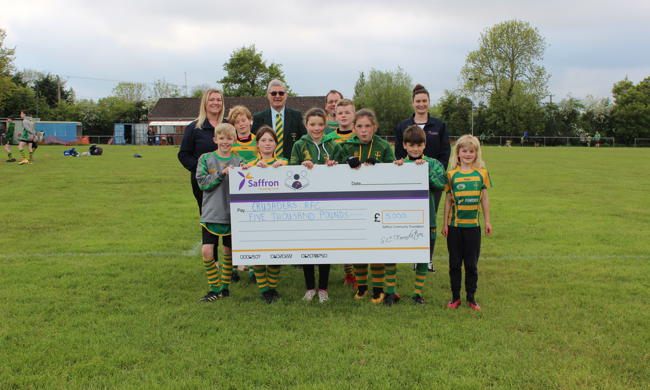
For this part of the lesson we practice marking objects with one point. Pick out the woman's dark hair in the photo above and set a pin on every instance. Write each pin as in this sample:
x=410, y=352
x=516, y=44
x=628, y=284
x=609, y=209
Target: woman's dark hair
x=418, y=89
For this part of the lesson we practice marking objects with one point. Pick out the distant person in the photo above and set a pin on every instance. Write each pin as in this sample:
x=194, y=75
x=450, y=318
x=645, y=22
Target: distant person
x=331, y=99
x=467, y=184
x=286, y=122
x=198, y=137
x=524, y=138
x=8, y=139
x=150, y=137
x=26, y=138
x=588, y=140
x=437, y=143
x=597, y=139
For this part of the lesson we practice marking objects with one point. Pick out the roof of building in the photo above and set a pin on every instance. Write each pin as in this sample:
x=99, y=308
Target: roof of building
x=170, y=109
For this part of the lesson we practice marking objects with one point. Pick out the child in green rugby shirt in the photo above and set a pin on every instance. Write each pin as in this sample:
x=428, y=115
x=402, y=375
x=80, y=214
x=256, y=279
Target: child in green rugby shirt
x=345, y=130
x=467, y=184
x=414, y=141
x=267, y=276
x=212, y=178
x=368, y=149
x=309, y=150
x=246, y=143
x=245, y=147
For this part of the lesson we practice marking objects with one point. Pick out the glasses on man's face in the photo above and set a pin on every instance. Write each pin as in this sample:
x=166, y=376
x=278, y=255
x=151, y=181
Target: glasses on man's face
x=275, y=93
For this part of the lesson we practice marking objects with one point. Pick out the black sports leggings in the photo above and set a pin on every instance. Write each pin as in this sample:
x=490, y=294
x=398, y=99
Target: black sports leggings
x=323, y=276
x=464, y=245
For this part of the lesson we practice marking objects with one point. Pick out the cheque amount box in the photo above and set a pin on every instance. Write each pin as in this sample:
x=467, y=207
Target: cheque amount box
x=400, y=217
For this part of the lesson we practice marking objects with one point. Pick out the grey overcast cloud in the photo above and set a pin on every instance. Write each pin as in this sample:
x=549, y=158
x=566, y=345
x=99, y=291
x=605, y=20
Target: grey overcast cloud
x=321, y=45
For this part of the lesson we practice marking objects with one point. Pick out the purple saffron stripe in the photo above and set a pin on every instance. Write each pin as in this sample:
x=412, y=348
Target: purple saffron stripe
x=324, y=196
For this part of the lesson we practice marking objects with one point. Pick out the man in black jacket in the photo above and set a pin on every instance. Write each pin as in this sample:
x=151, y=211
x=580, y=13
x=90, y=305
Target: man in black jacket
x=286, y=122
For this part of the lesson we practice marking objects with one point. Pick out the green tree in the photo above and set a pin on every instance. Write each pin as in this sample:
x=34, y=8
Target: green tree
x=6, y=56
x=505, y=70
x=358, y=86
x=631, y=111
x=597, y=115
x=53, y=89
x=456, y=111
x=164, y=89
x=130, y=92
x=15, y=98
x=389, y=95
x=198, y=90
x=247, y=74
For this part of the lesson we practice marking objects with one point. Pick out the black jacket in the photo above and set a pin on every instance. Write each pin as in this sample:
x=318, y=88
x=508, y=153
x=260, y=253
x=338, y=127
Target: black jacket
x=294, y=128
x=437, y=139
x=196, y=141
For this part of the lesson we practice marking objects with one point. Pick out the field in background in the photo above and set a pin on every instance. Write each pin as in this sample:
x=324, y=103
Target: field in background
x=100, y=272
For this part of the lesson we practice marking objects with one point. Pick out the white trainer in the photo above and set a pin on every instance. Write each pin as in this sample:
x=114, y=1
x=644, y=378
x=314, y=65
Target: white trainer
x=309, y=295
x=323, y=296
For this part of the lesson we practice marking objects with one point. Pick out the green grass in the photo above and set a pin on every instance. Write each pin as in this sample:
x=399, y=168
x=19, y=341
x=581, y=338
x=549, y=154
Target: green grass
x=100, y=272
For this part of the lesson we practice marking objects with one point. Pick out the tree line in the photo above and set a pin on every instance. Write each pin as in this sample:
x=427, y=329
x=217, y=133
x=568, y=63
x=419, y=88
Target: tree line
x=503, y=91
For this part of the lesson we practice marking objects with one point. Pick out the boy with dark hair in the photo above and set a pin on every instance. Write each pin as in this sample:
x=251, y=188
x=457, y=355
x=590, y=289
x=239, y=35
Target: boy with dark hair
x=414, y=142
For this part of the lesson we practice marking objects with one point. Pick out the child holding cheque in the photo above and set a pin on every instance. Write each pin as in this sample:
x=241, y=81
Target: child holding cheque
x=414, y=141
x=267, y=276
x=267, y=141
x=367, y=148
x=309, y=150
x=345, y=116
x=468, y=181
x=212, y=178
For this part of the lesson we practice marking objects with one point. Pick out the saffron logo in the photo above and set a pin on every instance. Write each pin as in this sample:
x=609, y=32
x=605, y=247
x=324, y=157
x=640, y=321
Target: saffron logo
x=249, y=181
x=244, y=177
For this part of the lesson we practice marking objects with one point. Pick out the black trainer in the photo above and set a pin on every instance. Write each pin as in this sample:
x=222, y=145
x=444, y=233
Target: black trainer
x=390, y=299
x=209, y=297
x=267, y=296
x=235, y=276
x=224, y=293
x=274, y=294
x=418, y=300
x=11, y=160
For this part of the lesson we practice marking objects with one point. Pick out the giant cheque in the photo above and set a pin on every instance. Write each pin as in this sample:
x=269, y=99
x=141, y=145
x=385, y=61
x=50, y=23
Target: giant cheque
x=329, y=215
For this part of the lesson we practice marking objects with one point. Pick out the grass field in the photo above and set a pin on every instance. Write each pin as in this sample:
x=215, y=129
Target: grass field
x=100, y=272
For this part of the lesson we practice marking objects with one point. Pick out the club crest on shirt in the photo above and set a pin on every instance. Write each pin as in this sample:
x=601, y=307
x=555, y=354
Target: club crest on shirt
x=460, y=186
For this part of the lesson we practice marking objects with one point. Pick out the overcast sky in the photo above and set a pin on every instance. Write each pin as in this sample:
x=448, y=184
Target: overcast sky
x=321, y=45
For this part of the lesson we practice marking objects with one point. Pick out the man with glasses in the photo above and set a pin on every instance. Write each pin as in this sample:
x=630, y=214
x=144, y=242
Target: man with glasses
x=286, y=122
